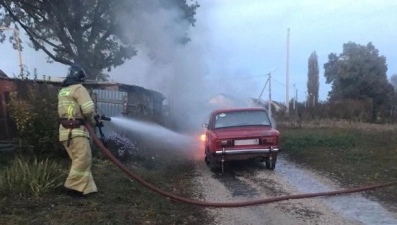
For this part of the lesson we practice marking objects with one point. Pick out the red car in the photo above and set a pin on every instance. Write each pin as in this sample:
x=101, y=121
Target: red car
x=240, y=134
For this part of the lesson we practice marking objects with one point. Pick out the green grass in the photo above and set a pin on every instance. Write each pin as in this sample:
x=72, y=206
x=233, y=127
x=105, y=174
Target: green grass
x=31, y=177
x=120, y=200
x=352, y=156
x=6, y=159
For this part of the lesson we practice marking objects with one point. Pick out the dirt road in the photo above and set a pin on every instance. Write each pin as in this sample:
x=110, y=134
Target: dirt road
x=248, y=180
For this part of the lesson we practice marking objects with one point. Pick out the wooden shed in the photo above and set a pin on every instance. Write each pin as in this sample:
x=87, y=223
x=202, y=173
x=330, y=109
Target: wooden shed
x=112, y=99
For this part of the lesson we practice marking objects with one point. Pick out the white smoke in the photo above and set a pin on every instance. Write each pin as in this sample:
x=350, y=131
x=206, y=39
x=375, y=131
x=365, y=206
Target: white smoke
x=164, y=64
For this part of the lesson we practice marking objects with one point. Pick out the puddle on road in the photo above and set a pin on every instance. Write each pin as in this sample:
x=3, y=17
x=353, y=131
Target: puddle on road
x=234, y=185
x=351, y=206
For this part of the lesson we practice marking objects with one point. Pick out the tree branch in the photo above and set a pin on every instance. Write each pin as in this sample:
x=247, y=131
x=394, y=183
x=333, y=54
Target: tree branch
x=32, y=36
x=55, y=58
x=94, y=31
x=36, y=35
x=40, y=36
x=63, y=37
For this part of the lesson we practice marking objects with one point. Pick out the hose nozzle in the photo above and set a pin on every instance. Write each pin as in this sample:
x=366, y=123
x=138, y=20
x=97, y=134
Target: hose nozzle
x=102, y=117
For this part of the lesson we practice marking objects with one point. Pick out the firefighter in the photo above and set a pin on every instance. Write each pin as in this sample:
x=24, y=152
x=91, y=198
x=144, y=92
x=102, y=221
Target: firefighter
x=75, y=107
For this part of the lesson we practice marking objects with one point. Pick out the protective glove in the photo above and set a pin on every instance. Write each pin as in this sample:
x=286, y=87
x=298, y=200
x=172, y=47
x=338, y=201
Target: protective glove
x=99, y=123
x=98, y=120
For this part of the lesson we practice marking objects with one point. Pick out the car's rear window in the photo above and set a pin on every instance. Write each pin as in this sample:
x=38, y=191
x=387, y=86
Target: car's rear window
x=241, y=118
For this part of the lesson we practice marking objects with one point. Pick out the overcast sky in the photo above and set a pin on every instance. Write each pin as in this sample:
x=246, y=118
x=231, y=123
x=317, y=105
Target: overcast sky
x=242, y=40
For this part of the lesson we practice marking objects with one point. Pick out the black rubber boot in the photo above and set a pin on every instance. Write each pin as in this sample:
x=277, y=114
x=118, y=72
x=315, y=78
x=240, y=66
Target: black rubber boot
x=74, y=193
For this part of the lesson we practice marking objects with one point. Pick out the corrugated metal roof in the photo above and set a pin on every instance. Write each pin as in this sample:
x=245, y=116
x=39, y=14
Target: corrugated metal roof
x=2, y=74
x=99, y=85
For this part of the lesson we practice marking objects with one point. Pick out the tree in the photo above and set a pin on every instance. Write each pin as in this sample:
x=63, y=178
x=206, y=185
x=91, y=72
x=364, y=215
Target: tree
x=90, y=32
x=393, y=108
x=359, y=73
x=393, y=81
x=313, y=79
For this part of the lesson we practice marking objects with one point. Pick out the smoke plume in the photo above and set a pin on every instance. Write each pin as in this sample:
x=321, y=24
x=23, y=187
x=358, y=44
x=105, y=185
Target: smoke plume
x=166, y=65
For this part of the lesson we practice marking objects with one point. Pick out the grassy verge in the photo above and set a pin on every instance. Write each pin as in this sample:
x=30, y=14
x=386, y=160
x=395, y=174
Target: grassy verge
x=352, y=156
x=119, y=201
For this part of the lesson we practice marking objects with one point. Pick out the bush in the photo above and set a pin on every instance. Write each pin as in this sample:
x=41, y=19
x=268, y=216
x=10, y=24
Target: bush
x=31, y=177
x=34, y=111
x=346, y=109
x=121, y=147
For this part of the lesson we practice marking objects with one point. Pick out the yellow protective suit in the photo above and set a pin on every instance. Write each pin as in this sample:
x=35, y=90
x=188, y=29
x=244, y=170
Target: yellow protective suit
x=74, y=102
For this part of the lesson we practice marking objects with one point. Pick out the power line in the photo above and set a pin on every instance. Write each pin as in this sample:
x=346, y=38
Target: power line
x=233, y=78
x=280, y=82
x=284, y=85
x=263, y=89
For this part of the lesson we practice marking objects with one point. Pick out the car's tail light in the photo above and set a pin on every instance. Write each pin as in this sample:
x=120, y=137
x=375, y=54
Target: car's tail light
x=269, y=141
x=224, y=143
x=203, y=137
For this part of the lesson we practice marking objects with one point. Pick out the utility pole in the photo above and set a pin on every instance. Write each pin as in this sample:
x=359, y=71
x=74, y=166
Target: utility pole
x=314, y=100
x=270, y=91
x=287, y=76
x=306, y=99
x=16, y=31
x=268, y=80
x=259, y=98
x=294, y=99
x=270, y=95
x=295, y=103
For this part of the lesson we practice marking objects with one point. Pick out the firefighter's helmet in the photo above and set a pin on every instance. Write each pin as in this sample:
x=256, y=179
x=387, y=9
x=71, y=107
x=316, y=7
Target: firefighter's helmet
x=76, y=72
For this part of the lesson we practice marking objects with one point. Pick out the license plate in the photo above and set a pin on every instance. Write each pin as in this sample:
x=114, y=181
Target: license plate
x=246, y=142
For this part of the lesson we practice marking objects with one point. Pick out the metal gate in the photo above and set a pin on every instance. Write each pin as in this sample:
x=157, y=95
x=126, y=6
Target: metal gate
x=135, y=103
x=110, y=103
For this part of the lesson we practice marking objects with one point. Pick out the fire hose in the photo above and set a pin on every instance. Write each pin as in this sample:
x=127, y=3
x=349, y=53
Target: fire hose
x=223, y=204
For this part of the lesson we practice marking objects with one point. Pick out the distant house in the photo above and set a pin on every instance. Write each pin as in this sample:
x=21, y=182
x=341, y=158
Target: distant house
x=226, y=101
x=223, y=100
x=265, y=104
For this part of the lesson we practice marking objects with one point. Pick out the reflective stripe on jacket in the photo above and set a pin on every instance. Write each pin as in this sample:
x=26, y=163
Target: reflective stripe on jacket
x=74, y=102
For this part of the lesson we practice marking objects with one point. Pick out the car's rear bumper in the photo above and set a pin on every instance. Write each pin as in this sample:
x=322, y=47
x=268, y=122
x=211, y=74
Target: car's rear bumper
x=244, y=154
x=246, y=151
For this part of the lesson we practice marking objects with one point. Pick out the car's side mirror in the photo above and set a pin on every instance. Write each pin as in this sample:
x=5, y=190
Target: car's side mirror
x=204, y=125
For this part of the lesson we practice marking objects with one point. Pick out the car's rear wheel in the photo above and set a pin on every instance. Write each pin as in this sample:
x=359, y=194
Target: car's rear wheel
x=212, y=163
x=207, y=161
x=206, y=158
x=271, y=162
